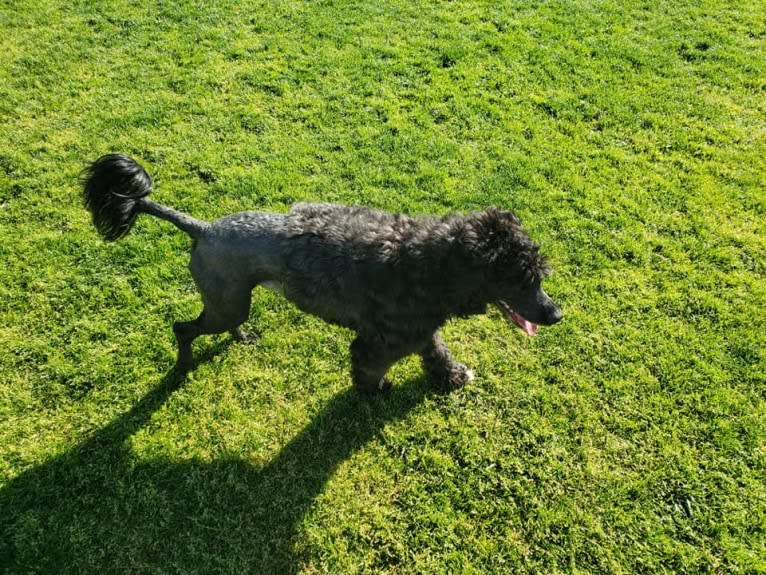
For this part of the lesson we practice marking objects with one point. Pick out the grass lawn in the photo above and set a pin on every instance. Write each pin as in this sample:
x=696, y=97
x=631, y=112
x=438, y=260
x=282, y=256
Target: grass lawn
x=629, y=137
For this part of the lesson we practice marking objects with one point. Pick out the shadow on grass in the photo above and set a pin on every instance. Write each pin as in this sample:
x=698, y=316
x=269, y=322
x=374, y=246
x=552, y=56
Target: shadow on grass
x=95, y=510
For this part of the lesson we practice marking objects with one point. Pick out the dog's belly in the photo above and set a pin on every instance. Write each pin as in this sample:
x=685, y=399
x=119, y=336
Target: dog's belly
x=274, y=285
x=327, y=300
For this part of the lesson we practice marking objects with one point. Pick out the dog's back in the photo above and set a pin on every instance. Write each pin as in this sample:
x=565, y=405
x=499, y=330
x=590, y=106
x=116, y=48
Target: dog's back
x=365, y=233
x=349, y=264
x=346, y=224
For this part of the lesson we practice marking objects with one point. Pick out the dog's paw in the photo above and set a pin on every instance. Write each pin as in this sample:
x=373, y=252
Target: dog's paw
x=456, y=377
x=459, y=376
x=181, y=369
x=242, y=336
x=383, y=386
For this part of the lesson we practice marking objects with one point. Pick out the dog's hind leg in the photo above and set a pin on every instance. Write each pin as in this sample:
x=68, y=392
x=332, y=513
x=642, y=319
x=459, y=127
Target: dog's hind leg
x=441, y=368
x=186, y=332
x=227, y=310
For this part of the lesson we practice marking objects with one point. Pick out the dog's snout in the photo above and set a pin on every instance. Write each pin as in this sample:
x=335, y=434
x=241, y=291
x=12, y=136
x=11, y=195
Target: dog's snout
x=550, y=311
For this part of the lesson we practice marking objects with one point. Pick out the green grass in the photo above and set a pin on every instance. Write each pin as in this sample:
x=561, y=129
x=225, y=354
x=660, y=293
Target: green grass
x=630, y=139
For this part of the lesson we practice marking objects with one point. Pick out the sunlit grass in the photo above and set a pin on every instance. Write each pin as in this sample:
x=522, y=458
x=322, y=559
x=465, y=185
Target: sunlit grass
x=629, y=438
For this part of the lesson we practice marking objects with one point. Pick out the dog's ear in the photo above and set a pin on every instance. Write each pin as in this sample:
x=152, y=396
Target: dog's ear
x=495, y=232
x=503, y=246
x=501, y=218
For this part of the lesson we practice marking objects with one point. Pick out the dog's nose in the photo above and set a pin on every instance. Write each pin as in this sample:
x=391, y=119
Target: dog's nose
x=555, y=316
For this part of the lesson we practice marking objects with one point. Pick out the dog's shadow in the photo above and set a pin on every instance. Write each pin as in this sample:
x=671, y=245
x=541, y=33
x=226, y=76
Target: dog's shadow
x=95, y=510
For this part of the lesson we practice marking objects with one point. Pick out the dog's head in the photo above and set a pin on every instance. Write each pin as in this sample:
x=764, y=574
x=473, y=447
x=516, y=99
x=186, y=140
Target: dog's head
x=514, y=270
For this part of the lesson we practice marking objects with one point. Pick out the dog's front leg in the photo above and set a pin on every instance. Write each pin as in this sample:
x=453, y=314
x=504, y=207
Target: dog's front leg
x=441, y=368
x=370, y=361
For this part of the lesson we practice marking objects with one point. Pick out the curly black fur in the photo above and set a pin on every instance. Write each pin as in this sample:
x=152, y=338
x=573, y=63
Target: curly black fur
x=112, y=188
x=391, y=278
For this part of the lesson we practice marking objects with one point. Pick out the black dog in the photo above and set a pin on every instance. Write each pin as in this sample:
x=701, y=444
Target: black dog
x=391, y=278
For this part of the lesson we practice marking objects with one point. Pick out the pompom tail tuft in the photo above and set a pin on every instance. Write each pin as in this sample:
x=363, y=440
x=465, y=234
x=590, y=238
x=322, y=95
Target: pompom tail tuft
x=113, y=187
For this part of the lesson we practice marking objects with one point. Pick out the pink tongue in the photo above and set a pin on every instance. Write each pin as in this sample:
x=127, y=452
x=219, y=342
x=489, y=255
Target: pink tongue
x=528, y=327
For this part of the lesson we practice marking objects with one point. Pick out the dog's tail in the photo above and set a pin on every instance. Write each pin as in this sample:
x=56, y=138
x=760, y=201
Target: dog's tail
x=115, y=189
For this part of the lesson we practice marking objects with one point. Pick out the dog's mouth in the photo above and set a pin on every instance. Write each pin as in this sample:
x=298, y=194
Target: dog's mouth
x=516, y=318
